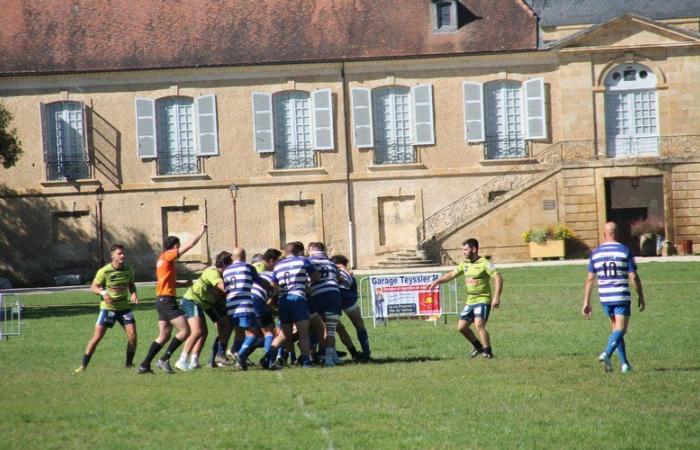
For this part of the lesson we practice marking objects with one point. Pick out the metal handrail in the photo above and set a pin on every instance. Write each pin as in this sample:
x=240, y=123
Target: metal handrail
x=181, y=164
x=67, y=168
x=394, y=153
x=295, y=157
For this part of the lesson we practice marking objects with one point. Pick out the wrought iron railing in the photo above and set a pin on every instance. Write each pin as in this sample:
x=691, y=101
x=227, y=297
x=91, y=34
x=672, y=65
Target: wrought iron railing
x=394, y=153
x=180, y=164
x=523, y=174
x=295, y=157
x=496, y=147
x=70, y=168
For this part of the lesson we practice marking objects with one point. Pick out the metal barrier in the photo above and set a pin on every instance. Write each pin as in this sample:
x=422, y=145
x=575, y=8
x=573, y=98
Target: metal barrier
x=10, y=316
x=450, y=302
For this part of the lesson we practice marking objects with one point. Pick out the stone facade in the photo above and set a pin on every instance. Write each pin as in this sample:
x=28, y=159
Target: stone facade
x=362, y=209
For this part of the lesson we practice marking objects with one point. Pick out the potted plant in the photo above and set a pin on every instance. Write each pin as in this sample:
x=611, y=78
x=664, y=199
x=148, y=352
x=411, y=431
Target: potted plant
x=647, y=230
x=549, y=241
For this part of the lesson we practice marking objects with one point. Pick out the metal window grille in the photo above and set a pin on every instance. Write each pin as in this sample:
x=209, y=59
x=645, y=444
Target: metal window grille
x=177, y=151
x=66, y=158
x=392, y=124
x=294, y=149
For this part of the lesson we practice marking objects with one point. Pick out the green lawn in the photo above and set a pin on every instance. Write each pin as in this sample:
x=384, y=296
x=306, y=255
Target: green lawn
x=544, y=389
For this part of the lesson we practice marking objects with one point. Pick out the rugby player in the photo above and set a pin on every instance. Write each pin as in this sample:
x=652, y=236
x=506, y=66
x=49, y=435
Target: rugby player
x=114, y=283
x=238, y=281
x=348, y=294
x=478, y=273
x=206, y=295
x=613, y=265
x=291, y=274
x=325, y=295
x=168, y=312
x=262, y=298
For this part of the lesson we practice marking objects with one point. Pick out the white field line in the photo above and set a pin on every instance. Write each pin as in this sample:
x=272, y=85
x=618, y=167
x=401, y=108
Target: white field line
x=644, y=283
x=309, y=414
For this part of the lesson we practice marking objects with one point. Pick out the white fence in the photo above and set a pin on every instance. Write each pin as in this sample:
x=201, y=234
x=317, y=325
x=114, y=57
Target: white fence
x=10, y=316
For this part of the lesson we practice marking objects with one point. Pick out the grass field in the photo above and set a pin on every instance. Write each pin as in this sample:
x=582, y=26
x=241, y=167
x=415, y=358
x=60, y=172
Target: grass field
x=544, y=389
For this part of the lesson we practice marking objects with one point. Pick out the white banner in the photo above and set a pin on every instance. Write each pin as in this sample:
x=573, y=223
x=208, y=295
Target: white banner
x=404, y=296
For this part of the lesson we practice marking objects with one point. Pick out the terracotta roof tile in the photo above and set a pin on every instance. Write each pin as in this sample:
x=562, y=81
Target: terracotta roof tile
x=49, y=36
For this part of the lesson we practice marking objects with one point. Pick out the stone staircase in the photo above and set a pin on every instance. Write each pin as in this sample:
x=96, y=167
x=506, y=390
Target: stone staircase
x=405, y=258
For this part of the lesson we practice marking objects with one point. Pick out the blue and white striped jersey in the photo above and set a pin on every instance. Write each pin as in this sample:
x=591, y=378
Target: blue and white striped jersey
x=612, y=262
x=238, y=282
x=291, y=275
x=328, y=282
x=348, y=284
x=258, y=291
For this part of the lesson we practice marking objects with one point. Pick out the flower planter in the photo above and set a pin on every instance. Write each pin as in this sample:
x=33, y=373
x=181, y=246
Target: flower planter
x=548, y=249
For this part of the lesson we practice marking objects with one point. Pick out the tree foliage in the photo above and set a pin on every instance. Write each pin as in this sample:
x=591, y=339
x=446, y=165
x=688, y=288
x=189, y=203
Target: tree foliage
x=10, y=145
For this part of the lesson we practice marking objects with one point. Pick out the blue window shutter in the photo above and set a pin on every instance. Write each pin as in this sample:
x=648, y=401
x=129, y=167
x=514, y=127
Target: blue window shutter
x=362, y=117
x=207, y=136
x=145, y=128
x=322, y=107
x=423, y=125
x=473, y=111
x=535, y=109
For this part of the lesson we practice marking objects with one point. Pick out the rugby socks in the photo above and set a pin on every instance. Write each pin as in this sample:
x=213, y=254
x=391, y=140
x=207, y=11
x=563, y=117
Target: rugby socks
x=614, y=342
x=364, y=341
x=622, y=352
x=477, y=345
x=130, y=358
x=237, y=343
x=194, y=360
x=271, y=354
x=174, y=344
x=268, y=343
x=183, y=358
x=248, y=347
x=152, y=352
x=86, y=359
x=487, y=350
x=215, y=349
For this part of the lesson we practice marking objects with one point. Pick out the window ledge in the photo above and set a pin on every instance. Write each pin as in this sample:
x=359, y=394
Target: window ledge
x=302, y=171
x=505, y=161
x=61, y=183
x=182, y=177
x=387, y=167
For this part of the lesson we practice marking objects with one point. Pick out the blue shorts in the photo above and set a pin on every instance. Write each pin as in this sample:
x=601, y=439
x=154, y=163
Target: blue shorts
x=245, y=321
x=617, y=309
x=260, y=307
x=328, y=303
x=293, y=308
x=348, y=301
x=470, y=312
x=191, y=308
x=107, y=318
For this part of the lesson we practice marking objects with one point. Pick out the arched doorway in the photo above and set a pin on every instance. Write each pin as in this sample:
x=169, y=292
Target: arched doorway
x=631, y=112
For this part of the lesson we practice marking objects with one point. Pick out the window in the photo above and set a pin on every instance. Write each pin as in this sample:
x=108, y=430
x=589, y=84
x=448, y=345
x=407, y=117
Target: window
x=177, y=152
x=631, y=112
x=64, y=137
x=293, y=134
x=504, y=136
x=176, y=131
x=444, y=16
x=392, y=120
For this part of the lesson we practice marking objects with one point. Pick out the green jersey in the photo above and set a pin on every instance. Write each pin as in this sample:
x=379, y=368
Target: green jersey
x=116, y=283
x=202, y=290
x=477, y=278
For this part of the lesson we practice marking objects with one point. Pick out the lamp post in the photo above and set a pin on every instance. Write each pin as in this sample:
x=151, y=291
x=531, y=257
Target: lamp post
x=100, y=195
x=233, y=190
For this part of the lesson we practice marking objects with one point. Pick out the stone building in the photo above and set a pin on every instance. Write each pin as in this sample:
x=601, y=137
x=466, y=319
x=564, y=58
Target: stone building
x=371, y=127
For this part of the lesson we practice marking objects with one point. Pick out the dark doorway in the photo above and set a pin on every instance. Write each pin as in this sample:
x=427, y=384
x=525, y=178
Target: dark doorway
x=628, y=200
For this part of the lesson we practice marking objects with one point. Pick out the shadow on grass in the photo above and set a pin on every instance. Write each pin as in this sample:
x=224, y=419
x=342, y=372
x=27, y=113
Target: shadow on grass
x=43, y=312
x=676, y=369
x=408, y=359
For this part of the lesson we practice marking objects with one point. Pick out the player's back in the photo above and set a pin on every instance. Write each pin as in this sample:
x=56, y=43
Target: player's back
x=612, y=262
x=291, y=274
x=238, y=282
x=328, y=271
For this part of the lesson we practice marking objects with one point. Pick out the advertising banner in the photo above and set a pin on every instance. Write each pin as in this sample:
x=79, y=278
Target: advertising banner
x=404, y=296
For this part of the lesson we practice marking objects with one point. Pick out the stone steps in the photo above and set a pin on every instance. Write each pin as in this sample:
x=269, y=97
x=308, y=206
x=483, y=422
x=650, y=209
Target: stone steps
x=405, y=258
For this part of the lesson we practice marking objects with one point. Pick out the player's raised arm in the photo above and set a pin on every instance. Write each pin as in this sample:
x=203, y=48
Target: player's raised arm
x=192, y=242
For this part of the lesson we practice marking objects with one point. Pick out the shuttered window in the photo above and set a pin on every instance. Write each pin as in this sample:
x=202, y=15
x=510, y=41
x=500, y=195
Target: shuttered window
x=65, y=145
x=391, y=109
x=177, y=151
x=504, y=122
x=293, y=130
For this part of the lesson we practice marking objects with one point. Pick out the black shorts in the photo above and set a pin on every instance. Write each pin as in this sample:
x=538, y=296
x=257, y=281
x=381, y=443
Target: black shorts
x=167, y=309
x=266, y=320
x=216, y=313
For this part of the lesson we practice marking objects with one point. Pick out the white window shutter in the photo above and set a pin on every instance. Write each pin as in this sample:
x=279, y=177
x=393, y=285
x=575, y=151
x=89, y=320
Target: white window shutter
x=362, y=117
x=207, y=136
x=263, y=136
x=322, y=107
x=146, y=127
x=423, y=125
x=44, y=116
x=473, y=112
x=86, y=141
x=535, y=109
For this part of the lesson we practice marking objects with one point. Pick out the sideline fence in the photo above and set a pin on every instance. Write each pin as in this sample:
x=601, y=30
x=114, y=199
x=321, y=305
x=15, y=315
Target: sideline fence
x=449, y=300
x=10, y=316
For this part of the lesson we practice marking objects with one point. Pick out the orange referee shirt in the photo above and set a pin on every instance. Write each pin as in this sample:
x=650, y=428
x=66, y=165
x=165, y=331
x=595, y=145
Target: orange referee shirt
x=165, y=273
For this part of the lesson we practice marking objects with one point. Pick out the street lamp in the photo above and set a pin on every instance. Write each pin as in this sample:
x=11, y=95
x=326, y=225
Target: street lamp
x=233, y=190
x=100, y=195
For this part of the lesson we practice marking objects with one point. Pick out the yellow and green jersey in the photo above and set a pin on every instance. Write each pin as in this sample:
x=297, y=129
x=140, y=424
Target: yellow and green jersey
x=477, y=278
x=116, y=283
x=202, y=290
